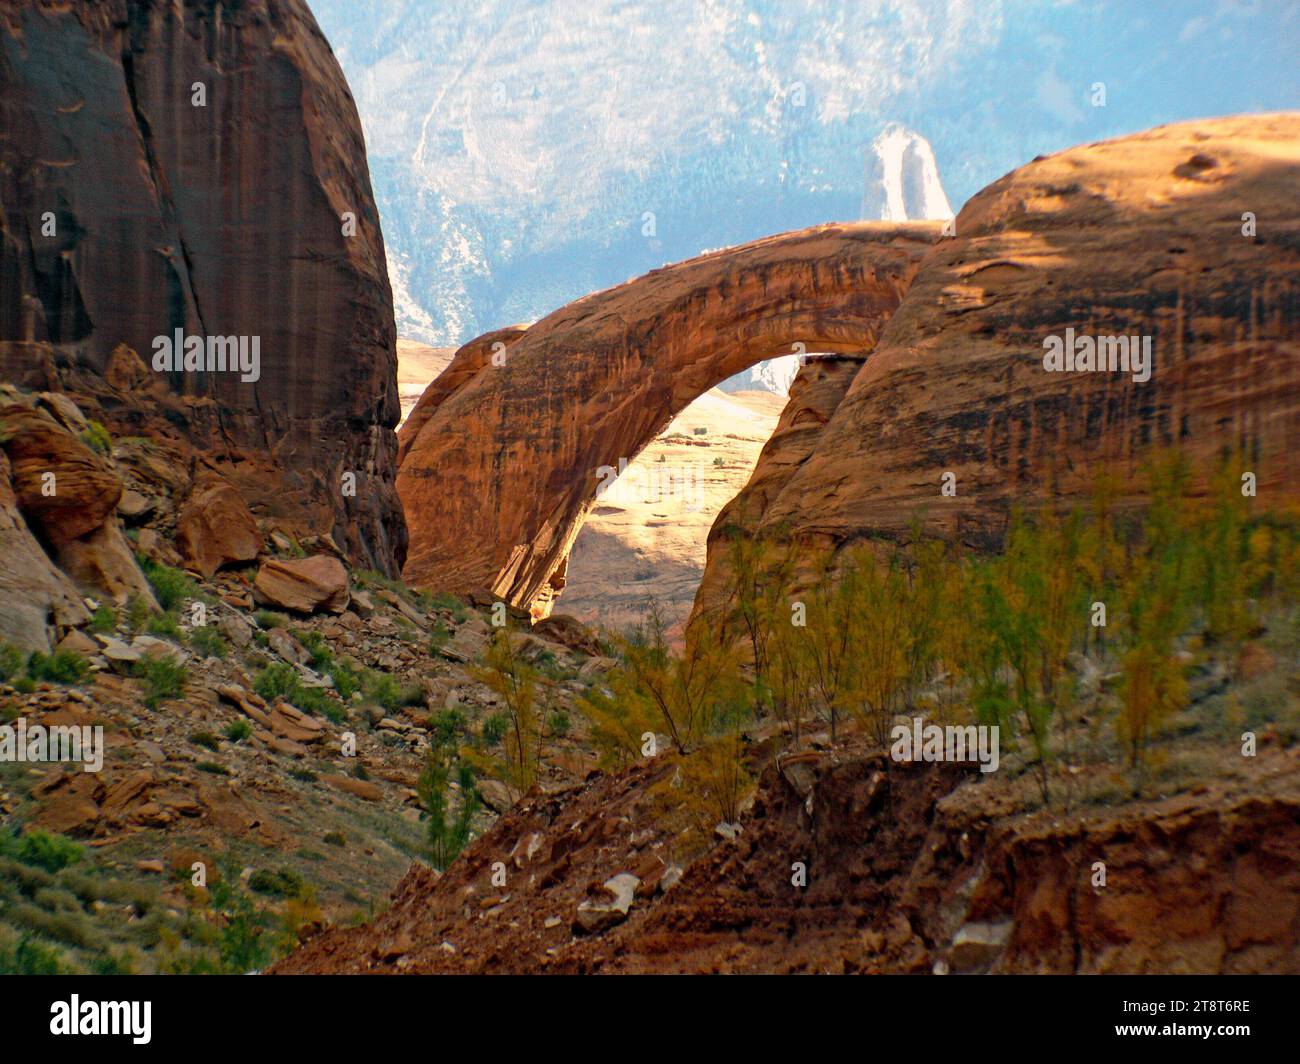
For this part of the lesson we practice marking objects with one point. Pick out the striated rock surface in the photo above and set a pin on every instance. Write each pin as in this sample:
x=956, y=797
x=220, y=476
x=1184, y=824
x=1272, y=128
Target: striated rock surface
x=36, y=599
x=465, y=365
x=69, y=496
x=215, y=528
x=1140, y=236
x=499, y=475
x=303, y=585
x=132, y=208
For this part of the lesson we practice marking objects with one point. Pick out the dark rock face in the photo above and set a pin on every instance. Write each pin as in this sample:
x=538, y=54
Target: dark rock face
x=130, y=211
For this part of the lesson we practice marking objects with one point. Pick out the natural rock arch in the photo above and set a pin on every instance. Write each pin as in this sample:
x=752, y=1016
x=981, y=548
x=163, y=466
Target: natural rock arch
x=499, y=476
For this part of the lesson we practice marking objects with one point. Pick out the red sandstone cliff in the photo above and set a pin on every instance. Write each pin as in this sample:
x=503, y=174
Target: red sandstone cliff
x=130, y=212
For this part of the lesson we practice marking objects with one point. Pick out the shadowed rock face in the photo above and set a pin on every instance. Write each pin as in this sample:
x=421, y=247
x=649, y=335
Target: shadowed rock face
x=815, y=395
x=1140, y=236
x=498, y=478
x=466, y=364
x=222, y=220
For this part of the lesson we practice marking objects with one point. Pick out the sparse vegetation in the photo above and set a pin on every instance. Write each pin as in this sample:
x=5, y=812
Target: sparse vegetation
x=97, y=438
x=164, y=678
x=61, y=666
x=207, y=640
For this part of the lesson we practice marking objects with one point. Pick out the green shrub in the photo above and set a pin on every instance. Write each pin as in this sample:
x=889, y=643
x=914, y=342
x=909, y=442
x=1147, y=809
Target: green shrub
x=494, y=729
x=63, y=666
x=238, y=730
x=12, y=663
x=558, y=723
x=280, y=680
x=209, y=642
x=206, y=739
x=277, y=680
x=171, y=587
x=164, y=678
x=137, y=613
x=385, y=691
x=43, y=849
x=30, y=957
x=96, y=437
x=270, y=619
x=285, y=883
x=104, y=619
x=306, y=775
x=347, y=681
x=315, y=645
x=447, y=726
x=213, y=767
x=166, y=625
x=445, y=601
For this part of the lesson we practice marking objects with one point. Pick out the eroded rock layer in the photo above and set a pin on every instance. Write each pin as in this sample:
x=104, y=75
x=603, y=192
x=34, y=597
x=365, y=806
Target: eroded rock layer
x=498, y=478
x=1187, y=235
x=200, y=167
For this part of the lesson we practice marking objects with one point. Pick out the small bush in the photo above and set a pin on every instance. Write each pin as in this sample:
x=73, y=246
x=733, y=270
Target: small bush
x=137, y=613
x=206, y=739
x=306, y=775
x=494, y=729
x=238, y=730
x=213, y=767
x=447, y=725
x=96, y=437
x=270, y=619
x=277, y=680
x=347, y=681
x=63, y=666
x=285, y=883
x=166, y=625
x=209, y=642
x=12, y=663
x=315, y=645
x=558, y=723
x=446, y=601
x=171, y=587
x=164, y=678
x=30, y=957
x=42, y=849
x=384, y=690
x=280, y=680
x=103, y=619
x=335, y=838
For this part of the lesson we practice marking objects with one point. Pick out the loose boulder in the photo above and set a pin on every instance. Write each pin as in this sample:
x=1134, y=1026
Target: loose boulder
x=215, y=527
x=303, y=585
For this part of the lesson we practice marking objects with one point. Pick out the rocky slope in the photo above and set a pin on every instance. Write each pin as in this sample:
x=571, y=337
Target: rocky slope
x=266, y=713
x=597, y=380
x=906, y=869
x=201, y=168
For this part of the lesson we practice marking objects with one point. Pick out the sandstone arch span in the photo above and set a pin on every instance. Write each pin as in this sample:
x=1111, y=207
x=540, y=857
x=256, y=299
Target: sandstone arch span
x=500, y=472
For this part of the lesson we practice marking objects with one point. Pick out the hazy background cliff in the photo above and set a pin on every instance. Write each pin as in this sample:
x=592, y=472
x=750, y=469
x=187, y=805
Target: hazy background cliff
x=516, y=148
